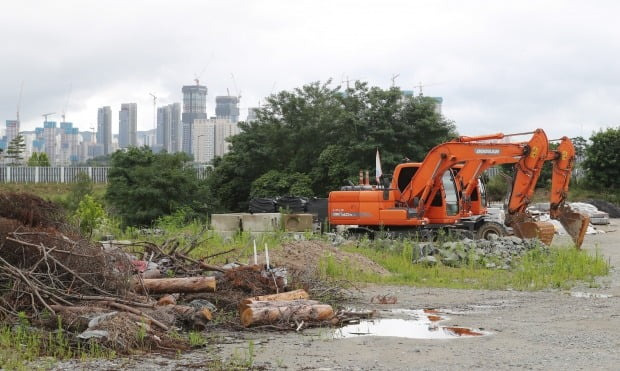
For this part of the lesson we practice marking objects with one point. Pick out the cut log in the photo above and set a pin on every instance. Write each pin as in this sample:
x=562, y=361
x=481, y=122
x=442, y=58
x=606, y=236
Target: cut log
x=289, y=295
x=195, y=318
x=166, y=300
x=287, y=314
x=251, y=303
x=174, y=285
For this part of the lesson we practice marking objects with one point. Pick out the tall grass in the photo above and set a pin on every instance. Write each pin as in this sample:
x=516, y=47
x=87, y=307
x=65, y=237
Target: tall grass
x=558, y=267
x=22, y=344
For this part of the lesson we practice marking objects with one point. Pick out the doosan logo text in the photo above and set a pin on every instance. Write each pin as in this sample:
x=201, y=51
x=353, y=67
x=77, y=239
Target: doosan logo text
x=487, y=151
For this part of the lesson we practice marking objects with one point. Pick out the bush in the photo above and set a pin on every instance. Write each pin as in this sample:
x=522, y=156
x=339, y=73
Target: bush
x=144, y=186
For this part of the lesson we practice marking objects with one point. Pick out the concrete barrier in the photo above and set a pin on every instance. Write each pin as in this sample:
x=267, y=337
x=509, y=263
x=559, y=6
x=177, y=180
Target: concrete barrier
x=226, y=222
x=264, y=222
x=297, y=222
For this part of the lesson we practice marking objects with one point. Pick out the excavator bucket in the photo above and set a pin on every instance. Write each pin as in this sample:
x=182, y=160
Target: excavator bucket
x=576, y=224
x=544, y=231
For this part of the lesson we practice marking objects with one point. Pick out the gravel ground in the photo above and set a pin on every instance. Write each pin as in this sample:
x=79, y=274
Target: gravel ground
x=533, y=330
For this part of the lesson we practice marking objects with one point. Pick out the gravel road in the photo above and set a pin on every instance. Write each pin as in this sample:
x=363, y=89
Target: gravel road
x=552, y=329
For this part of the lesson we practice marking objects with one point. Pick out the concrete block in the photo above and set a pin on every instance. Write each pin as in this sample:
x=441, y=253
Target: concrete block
x=264, y=222
x=297, y=222
x=226, y=222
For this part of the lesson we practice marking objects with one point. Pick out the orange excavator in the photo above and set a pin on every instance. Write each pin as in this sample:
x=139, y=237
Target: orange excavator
x=444, y=191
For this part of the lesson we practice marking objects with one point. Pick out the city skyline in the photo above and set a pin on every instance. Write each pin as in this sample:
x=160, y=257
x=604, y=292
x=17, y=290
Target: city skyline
x=499, y=66
x=175, y=131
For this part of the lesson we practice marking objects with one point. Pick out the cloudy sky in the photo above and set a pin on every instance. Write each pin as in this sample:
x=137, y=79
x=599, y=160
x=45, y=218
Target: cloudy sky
x=499, y=65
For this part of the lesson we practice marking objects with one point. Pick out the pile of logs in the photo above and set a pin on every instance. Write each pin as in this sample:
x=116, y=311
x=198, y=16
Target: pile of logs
x=285, y=309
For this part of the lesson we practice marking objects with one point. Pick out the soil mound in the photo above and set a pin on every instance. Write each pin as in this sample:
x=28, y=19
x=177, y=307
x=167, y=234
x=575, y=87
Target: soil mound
x=306, y=255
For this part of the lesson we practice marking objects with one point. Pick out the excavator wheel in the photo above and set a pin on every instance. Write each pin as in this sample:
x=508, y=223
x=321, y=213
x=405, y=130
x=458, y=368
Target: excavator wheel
x=488, y=228
x=544, y=231
x=576, y=224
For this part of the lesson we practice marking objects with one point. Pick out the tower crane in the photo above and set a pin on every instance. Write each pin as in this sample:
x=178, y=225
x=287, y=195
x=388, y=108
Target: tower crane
x=47, y=114
x=155, y=109
x=235, y=85
x=19, y=101
x=64, y=109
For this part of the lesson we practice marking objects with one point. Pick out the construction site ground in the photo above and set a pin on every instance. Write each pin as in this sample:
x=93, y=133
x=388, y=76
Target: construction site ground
x=551, y=329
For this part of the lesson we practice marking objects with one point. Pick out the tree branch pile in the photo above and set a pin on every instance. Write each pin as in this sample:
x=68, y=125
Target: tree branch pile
x=56, y=276
x=46, y=263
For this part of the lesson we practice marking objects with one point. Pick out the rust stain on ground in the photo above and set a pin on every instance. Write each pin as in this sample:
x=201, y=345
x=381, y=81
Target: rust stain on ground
x=463, y=331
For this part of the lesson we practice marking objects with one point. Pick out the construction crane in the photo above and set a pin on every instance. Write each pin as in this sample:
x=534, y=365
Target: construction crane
x=394, y=76
x=19, y=101
x=420, y=86
x=155, y=108
x=235, y=85
x=64, y=109
x=47, y=114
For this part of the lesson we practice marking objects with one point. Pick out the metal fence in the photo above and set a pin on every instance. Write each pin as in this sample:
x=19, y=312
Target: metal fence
x=37, y=174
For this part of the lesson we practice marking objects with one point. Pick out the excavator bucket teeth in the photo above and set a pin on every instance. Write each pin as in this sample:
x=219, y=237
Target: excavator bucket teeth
x=576, y=224
x=544, y=231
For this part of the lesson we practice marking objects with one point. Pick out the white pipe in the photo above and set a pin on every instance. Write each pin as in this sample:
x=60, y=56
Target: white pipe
x=267, y=256
x=255, y=256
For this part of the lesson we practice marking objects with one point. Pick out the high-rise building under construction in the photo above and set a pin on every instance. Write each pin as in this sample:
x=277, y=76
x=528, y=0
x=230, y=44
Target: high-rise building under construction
x=194, y=107
x=127, y=125
x=227, y=107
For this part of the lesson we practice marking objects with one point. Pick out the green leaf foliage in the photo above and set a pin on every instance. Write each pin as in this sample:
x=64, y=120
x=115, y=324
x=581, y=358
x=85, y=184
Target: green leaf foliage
x=15, y=150
x=310, y=140
x=89, y=214
x=144, y=186
x=275, y=183
x=39, y=159
x=82, y=187
x=602, y=161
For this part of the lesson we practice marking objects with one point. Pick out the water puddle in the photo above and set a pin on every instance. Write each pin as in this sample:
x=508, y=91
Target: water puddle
x=420, y=324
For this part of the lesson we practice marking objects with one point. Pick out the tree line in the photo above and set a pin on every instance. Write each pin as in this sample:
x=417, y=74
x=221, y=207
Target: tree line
x=307, y=142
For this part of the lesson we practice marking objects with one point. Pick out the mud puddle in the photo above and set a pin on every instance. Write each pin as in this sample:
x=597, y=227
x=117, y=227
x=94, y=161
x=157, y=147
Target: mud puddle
x=418, y=324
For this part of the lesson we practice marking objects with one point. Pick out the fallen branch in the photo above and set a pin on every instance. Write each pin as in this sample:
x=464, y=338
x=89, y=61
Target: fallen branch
x=138, y=312
x=174, y=285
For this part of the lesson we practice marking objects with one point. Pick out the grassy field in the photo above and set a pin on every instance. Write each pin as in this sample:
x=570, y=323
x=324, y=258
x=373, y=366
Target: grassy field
x=49, y=191
x=557, y=267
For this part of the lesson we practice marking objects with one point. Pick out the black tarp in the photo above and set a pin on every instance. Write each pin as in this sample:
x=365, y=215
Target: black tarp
x=263, y=205
x=292, y=203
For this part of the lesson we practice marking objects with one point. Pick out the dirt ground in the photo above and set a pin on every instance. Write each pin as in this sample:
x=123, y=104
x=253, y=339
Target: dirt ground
x=551, y=329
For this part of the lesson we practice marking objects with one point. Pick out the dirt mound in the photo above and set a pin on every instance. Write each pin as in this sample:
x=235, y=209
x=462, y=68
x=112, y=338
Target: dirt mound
x=31, y=210
x=306, y=255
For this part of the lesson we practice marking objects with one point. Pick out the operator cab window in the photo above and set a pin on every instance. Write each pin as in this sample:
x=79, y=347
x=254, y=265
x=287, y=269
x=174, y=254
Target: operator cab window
x=452, y=204
x=405, y=176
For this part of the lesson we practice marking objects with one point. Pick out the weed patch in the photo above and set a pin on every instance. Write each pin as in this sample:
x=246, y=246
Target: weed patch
x=557, y=267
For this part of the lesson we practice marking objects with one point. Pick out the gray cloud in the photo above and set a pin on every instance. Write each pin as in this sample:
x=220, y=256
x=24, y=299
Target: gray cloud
x=499, y=66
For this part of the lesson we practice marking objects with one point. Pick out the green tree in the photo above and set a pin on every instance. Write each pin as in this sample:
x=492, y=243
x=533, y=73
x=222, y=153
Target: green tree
x=39, y=159
x=328, y=135
x=144, y=186
x=89, y=214
x=15, y=150
x=602, y=163
x=275, y=183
